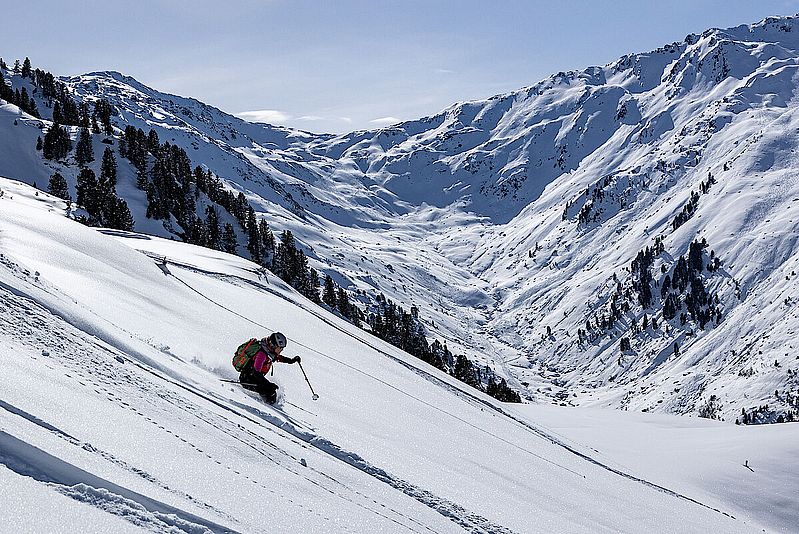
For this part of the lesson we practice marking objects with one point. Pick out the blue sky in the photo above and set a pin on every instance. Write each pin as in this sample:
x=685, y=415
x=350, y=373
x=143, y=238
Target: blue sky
x=342, y=65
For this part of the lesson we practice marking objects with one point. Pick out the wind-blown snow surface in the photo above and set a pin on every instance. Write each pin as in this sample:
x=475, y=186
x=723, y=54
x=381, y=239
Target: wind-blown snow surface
x=113, y=415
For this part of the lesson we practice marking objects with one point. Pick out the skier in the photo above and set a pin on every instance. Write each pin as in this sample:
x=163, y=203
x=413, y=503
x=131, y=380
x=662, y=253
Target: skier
x=254, y=359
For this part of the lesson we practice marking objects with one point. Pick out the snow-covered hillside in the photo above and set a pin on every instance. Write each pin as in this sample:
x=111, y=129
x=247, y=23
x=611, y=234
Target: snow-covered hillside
x=514, y=223
x=113, y=415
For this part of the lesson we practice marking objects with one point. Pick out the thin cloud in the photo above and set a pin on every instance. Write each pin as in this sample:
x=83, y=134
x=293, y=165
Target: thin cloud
x=444, y=71
x=385, y=121
x=314, y=118
x=269, y=116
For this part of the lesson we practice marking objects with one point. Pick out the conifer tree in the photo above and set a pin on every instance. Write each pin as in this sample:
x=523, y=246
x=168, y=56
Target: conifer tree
x=229, y=241
x=6, y=92
x=291, y=265
x=26, y=68
x=465, y=372
x=343, y=303
x=132, y=146
x=240, y=209
x=153, y=144
x=100, y=200
x=57, y=143
x=26, y=102
x=106, y=195
x=84, y=152
x=201, y=180
x=198, y=233
x=58, y=187
x=58, y=116
x=284, y=262
x=32, y=109
x=68, y=107
x=108, y=168
x=84, y=115
x=695, y=257
x=119, y=216
x=156, y=205
x=89, y=196
x=301, y=274
x=313, y=288
x=329, y=292
x=501, y=391
x=267, y=242
x=253, y=238
x=212, y=227
x=102, y=113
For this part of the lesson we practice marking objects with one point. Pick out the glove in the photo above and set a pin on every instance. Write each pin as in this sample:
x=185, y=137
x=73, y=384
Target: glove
x=295, y=359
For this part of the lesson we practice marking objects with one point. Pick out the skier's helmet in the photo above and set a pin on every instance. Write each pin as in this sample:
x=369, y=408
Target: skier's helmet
x=278, y=340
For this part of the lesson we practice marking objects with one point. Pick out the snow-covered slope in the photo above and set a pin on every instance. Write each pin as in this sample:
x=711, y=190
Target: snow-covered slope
x=513, y=222
x=113, y=415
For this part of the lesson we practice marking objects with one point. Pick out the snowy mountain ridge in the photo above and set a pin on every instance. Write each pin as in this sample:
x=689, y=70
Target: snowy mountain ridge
x=513, y=223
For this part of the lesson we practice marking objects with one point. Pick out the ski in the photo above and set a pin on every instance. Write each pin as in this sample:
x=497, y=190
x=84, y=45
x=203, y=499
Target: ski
x=247, y=385
x=315, y=396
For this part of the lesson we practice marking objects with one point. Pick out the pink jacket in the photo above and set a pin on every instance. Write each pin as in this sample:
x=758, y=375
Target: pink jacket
x=263, y=361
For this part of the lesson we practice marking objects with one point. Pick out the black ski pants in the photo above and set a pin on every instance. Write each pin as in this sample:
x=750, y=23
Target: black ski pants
x=255, y=381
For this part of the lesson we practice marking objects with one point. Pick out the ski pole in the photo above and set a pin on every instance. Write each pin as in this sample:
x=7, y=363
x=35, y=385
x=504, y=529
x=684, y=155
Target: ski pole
x=315, y=396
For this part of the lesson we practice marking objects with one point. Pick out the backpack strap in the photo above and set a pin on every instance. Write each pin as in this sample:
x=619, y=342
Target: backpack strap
x=240, y=361
x=248, y=346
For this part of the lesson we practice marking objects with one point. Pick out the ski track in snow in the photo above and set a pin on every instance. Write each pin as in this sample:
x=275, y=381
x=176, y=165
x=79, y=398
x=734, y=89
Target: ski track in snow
x=468, y=520
x=110, y=457
x=130, y=510
x=539, y=432
x=41, y=331
x=76, y=354
x=27, y=460
x=358, y=462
